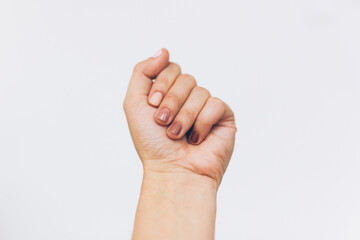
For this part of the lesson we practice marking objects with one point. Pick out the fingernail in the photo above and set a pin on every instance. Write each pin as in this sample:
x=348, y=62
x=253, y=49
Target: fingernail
x=194, y=137
x=156, y=98
x=175, y=128
x=163, y=115
x=158, y=53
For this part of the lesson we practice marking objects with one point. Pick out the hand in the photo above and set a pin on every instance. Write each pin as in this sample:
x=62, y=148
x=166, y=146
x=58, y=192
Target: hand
x=176, y=126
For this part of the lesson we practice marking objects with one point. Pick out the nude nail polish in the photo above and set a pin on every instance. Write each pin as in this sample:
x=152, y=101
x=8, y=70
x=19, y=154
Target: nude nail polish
x=156, y=98
x=163, y=115
x=175, y=129
x=194, y=137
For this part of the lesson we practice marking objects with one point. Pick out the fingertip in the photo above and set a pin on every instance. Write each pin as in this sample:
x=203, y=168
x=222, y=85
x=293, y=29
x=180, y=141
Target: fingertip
x=155, y=99
x=172, y=136
x=156, y=63
x=161, y=53
x=194, y=138
x=175, y=131
x=162, y=116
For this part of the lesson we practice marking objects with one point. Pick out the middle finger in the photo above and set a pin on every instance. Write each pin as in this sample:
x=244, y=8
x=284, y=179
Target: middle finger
x=174, y=99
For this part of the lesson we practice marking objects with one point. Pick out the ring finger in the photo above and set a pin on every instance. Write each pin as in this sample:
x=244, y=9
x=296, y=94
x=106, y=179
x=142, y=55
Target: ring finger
x=188, y=113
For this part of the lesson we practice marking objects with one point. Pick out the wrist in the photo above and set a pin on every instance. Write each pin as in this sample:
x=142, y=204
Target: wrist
x=178, y=203
x=179, y=172
x=180, y=180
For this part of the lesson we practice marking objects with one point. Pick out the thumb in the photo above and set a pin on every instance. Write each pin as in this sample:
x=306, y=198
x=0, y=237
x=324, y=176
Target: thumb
x=141, y=80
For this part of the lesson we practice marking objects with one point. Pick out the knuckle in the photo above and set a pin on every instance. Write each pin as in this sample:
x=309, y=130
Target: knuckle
x=173, y=99
x=189, y=78
x=186, y=113
x=202, y=91
x=159, y=87
x=166, y=75
x=175, y=66
x=216, y=101
x=186, y=75
x=203, y=122
x=162, y=78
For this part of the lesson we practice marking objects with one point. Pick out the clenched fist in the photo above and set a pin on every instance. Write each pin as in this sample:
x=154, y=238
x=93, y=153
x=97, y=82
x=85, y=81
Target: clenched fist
x=177, y=126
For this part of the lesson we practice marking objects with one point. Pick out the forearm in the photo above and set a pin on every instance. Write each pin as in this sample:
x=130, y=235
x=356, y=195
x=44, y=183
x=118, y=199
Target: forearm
x=176, y=206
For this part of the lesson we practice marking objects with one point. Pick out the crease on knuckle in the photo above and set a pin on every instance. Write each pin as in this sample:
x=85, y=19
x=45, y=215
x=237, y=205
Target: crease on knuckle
x=187, y=114
x=162, y=76
x=166, y=75
x=203, y=123
x=173, y=99
x=160, y=87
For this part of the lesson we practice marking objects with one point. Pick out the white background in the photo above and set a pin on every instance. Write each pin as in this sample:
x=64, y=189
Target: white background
x=289, y=69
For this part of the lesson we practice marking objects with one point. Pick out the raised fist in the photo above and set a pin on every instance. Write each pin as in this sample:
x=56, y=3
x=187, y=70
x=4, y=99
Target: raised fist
x=177, y=126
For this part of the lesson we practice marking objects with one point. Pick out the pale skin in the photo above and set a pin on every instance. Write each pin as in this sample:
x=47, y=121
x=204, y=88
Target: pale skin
x=185, y=139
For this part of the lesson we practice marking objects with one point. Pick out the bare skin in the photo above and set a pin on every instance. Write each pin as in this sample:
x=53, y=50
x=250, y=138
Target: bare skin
x=184, y=138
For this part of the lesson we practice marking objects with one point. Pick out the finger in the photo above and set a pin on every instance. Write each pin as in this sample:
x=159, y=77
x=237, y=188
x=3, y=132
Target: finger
x=174, y=99
x=188, y=113
x=144, y=72
x=212, y=113
x=163, y=82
